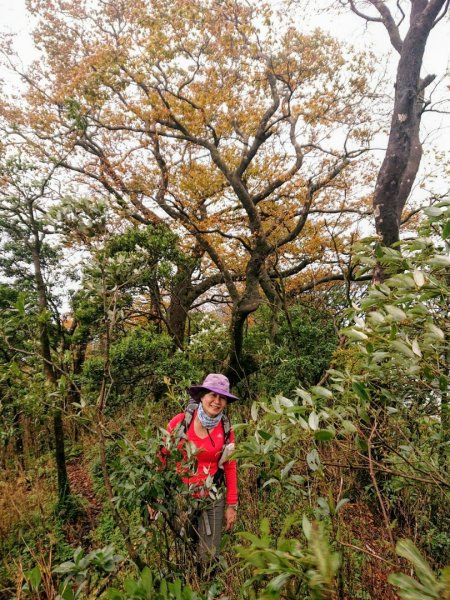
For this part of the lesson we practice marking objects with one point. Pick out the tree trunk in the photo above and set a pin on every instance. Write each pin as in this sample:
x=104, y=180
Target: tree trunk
x=183, y=294
x=74, y=393
x=275, y=302
x=247, y=304
x=402, y=159
x=180, y=303
x=60, y=456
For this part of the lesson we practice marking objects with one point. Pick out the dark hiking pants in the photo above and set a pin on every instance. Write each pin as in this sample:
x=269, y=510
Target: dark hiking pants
x=209, y=527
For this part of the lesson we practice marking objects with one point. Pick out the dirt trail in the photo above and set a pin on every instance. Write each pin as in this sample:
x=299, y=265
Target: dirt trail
x=78, y=532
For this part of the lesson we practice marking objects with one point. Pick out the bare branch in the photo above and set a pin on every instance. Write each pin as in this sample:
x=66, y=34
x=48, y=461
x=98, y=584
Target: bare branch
x=443, y=13
x=262, y=133
x=354, y=9
x=389, y=23
x=369, y=552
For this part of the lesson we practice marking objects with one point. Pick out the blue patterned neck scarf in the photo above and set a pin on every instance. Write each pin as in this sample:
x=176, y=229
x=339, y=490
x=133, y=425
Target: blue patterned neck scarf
x=207, y=421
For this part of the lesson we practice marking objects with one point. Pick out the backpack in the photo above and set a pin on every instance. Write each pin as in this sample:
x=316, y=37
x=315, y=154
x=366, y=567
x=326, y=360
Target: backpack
x=219, y=476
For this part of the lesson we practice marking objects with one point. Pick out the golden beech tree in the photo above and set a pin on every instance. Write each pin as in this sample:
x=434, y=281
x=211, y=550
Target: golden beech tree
x=246, y=134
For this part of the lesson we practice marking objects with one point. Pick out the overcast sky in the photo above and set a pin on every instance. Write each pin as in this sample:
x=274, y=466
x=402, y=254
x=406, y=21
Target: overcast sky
x=14, y=19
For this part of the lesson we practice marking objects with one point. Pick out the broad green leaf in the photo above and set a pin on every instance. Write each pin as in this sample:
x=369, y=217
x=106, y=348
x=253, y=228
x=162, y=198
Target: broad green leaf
x=324, y=435
x=285, y=471
x=66, y=592
x=337, y=375
x=360, y=389
x=130, y=586
x=416, y=348
x=384, y=288
x=78, y=555
x=446, y=230
x=379, y=356
x=377, y=294
x=255, y=540
x=319, y=390
x=440, y=260
x=303, y=423
x=349, y=427
x=286, y=402
x=409, y=588
x=403, y=348
x=376, y=317
x=443, y=383
x=111, y=594
x=435, y=332
x=307, y=527
x=313, y=460
x=278, y=582
x=355, y=334
x=147, y=580
x=313, y=420
x=304, y=395
x=403, y=280
x=64, y=568
x=395, y=312
x=361, y=443
x=406, y=549
x=419, y=278
x=34, y=577
x=433, y=211
x=270, y=482
x=342, y=502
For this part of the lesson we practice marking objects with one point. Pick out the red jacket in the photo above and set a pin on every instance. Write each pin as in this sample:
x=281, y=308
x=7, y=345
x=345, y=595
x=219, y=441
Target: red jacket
x=209, y=456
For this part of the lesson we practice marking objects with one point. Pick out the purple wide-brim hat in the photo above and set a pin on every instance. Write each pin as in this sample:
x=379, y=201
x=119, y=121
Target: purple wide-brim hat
x=214, y=382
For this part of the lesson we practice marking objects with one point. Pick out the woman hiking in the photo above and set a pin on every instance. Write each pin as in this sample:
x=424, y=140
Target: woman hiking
x=205, y=425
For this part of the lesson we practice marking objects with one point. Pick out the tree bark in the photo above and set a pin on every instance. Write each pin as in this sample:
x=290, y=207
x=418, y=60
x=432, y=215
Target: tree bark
x=403, y=154
x=58, y=429
x=74, y=392
x=182, y=296
x=247, y=304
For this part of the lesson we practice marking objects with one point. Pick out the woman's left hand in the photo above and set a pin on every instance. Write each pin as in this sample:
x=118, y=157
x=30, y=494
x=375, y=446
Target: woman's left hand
x=230, y=517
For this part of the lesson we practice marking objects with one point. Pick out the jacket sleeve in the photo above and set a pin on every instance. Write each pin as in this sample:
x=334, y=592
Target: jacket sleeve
x=230, y=469
x=174, y=422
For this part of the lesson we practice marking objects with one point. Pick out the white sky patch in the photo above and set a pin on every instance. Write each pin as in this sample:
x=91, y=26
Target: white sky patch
x=15, y=19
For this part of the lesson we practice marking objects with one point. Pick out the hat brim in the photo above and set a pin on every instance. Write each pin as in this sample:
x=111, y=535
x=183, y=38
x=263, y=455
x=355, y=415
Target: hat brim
x=194, y=390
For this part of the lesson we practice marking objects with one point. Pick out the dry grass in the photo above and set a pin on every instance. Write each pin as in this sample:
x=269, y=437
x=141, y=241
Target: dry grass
x=25, y=500
x=21, y=496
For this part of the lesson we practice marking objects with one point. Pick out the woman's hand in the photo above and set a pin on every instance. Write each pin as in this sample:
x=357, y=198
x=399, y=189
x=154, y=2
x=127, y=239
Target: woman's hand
x=152, y=513
x=230, y=517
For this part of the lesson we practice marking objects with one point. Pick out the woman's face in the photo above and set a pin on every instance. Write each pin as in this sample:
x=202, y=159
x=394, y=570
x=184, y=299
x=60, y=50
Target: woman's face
x=213, y=403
